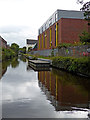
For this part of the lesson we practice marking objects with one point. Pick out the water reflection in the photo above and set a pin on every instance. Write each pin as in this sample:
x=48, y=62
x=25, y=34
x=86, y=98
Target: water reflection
x=22, y=58
x=43, y=94
x=14, y=63
x=65, y=91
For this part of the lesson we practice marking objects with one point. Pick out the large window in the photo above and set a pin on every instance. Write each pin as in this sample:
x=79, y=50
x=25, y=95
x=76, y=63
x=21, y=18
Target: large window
x=45, y=40
x=42, y=40
x=50, y=22
x=56, y=34
x=50, y=37
x=39, y=32
x=45, y=26
x=42, y=29
x=56, y=17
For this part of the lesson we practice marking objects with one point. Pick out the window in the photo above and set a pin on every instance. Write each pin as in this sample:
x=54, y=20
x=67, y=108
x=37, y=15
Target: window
x=56, y=17
x=56, y=34
x=50, y=22
x=45, y=26
x=39, y=32
x=44, y=40
x=42, y=29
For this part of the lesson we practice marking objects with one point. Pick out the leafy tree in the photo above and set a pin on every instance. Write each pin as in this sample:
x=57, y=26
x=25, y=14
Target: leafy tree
x=15, y=47
x=85, y=8
x=85, y=37
x=7, y=53
x=22, y=50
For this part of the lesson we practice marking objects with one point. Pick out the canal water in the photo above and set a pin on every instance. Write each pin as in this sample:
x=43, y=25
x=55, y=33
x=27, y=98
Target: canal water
x=46, y=93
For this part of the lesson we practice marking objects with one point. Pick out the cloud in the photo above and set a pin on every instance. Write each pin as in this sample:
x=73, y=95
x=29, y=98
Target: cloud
x=18, y=34
x=10, y=29
x=21, y=19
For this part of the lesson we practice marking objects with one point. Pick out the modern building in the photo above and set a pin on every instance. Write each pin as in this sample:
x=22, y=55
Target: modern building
x=64, y=26
x=30, y=43
x=3, y=43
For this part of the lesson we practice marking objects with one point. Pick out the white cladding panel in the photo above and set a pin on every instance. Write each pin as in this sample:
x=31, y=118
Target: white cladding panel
x=58, y=14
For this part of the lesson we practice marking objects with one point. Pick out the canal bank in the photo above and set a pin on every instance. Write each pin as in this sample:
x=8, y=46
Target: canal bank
x=43, y=94
x=80, y=66
x=71, y=58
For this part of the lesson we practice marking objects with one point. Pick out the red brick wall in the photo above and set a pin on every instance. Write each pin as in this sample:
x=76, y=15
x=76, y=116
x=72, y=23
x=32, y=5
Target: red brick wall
x=68, y=32
x=71, y=29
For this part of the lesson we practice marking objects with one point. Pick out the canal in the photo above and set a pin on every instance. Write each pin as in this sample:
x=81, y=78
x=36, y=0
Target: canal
x=46, y=93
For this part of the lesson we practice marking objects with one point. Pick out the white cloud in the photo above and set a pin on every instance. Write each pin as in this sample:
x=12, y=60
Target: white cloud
x=31, y=13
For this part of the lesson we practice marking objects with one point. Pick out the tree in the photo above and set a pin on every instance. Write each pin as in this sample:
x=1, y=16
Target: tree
x=85, y=37
x=15, y=47
x=22, y=50
x=85, y=8
x=80, y=1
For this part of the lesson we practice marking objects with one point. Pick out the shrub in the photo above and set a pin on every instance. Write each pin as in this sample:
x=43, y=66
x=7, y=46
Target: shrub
x=77, y=65
x=65, y=45
x=7, y=53
x=85, y=37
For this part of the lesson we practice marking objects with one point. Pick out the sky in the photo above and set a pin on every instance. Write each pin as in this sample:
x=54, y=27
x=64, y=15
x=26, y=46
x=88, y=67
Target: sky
x=21, y=19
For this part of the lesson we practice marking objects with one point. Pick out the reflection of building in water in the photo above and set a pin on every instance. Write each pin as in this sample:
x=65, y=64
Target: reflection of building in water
x=2, y=71
x=63, y=94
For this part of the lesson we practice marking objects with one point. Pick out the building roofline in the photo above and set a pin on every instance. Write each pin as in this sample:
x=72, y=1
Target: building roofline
x=57, y=12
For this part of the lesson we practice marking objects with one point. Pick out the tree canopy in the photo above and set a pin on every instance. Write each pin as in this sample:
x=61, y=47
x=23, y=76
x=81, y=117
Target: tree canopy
x=85, y=8
x=15, y=47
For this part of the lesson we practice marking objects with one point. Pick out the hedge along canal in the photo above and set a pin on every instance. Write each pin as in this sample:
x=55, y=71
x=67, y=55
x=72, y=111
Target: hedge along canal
x=74, y=65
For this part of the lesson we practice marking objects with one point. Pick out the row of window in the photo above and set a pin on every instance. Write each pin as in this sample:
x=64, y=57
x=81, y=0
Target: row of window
x=43, y=38
x=50, y=23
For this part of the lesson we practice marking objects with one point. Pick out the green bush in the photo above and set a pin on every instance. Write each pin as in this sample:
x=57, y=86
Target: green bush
x=85, y=37
x=77, y=65
x=65, y=45
x=7, y=53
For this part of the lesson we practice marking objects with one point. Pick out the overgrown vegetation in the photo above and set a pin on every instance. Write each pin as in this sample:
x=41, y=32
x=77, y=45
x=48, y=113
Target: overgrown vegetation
x=22, y=50
x=85, y=37
x=15, y=47
x=76, y=65
x=8, y=53
x=65, y=45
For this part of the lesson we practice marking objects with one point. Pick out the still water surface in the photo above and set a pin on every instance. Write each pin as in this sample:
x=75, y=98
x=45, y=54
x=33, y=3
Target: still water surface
x=51, y=93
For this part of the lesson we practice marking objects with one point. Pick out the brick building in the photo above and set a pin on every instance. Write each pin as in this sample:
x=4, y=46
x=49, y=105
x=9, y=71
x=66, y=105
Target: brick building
x=62, y=27
x=3, y=43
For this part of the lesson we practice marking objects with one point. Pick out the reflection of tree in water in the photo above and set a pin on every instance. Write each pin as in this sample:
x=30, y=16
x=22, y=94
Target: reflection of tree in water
x=22, y=58
x=5, y=64
x=14, y=63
